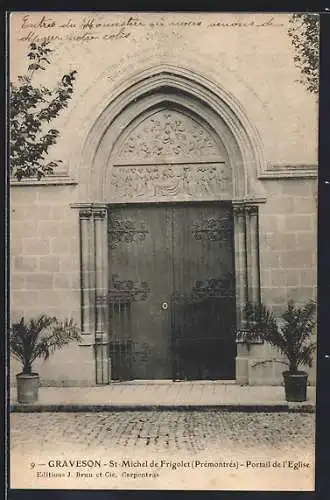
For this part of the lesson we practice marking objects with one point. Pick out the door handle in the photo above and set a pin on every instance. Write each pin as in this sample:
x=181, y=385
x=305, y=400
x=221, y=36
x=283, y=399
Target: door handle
x=164, y=306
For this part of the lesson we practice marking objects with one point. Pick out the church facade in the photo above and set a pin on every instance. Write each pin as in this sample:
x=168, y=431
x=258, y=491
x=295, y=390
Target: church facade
x=189, y=188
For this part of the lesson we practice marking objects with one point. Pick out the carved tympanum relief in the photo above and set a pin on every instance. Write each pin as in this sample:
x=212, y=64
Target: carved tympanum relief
x=170, y=155
x=170, y=181
x=168, y=134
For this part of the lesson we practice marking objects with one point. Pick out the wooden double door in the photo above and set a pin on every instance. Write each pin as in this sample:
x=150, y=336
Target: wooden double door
x=171, y=291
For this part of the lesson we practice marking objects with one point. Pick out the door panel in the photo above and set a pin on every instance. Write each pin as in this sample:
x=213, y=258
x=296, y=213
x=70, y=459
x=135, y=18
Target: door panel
x=180, y=255
x=203, y=298
x=140, y=280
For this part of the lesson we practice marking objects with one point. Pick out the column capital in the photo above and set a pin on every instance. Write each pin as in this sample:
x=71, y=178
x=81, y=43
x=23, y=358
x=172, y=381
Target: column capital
x=239, y=209
x=99, y=213
x=88, y=210
x=251, y=209
x=247, y=205
x=85, y=213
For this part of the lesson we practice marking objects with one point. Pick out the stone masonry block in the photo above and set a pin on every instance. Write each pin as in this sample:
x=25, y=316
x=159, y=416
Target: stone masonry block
x=279, y=205
x=49, y=263
x=301, y=222
x=68, y=230
x=17, y=281
x=63, y=213
x=265, y=277
x=25, y=263
x=39, y=281
x=279, y=241
x=269, y=259
x=36, y=246
x=38, y=309
x=301, y=294
x=274, y=296
x=71, y=297
x=306, y=205
x=308, y=277
x=48, y=228
x=268, y=222
x=261, y=373
x=69, y=263
x=56, y=195
x=17, y=213
x=27, y=195
x=242, y=350
x=74, y=246
x=59, y=245
x=16, y=314
x=75, y=281
x=23, y=299
x=284, y=277
x=296, y=259
x=34, y=213
x=20, y=229
x=16, y=246
x=242, y=370
x=306, y=240
x=62, y=281
x=49, y=298
x=298, y=187
x=73, y=312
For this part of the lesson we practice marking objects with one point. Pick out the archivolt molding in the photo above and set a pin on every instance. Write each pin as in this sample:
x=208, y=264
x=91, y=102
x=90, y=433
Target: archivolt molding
x=189, y=90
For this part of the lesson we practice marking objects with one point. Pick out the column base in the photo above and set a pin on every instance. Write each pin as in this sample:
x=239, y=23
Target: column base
x=102, y=359
x=258, y=364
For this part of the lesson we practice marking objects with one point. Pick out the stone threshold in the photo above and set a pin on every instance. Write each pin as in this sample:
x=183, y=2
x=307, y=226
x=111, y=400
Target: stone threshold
x=305, y=407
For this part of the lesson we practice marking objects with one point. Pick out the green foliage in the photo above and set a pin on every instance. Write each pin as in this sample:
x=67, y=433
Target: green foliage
x=39, y=338
x=291, y=336
x=31, y=109
x=304, y=33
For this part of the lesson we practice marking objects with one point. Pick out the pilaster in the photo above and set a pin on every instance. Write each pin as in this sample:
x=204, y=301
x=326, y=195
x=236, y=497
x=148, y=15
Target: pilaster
x=94, y=285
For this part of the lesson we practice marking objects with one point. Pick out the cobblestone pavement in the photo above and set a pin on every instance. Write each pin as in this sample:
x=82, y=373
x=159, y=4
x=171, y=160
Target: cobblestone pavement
x=164, y=431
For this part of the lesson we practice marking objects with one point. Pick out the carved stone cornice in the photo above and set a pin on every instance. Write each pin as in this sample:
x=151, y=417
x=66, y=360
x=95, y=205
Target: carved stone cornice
x=276, y=170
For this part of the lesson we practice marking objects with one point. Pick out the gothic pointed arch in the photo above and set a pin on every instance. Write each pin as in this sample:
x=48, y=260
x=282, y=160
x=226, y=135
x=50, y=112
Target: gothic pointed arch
x=195, y=103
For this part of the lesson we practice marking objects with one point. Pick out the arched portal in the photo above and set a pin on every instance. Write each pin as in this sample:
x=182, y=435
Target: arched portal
x=170, y=151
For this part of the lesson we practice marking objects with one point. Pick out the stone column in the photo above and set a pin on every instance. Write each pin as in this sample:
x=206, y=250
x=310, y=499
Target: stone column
x=252, y=240
x=101, y=302
x=86, y=355
x=86, y=264
x=240, y=262
x=242, y=367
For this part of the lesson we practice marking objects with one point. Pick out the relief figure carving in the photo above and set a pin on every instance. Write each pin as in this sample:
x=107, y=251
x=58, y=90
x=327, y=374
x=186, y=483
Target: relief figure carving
x=171, y=181
x=169, y=134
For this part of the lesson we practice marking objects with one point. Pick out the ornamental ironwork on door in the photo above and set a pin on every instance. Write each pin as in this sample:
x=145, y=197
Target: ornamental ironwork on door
x=125, y=231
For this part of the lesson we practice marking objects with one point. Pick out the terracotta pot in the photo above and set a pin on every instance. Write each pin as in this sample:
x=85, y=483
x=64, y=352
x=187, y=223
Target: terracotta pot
x=27, y=387
x=295, y=386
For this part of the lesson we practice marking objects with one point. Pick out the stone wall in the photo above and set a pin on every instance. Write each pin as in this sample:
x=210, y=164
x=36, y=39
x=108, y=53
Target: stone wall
x=45, y=266
x=288, y=260
x=251, y=70
x=45, y=271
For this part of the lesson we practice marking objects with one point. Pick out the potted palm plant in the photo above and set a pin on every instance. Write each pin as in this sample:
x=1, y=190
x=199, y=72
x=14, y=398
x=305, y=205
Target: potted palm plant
x=33, y=339
x=291, y=335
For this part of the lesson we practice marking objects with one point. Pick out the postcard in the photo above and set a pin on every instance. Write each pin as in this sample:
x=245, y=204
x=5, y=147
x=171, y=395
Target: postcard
x=163, y=247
